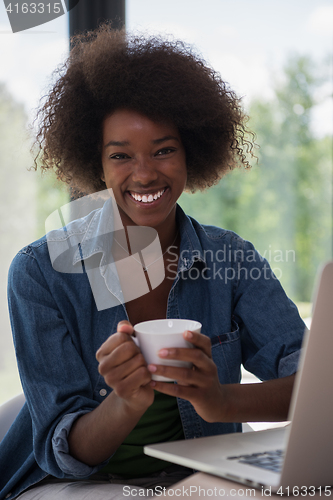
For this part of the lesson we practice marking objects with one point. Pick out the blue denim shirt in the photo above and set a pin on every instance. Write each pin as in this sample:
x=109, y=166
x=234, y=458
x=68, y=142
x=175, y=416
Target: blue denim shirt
x=221, y=282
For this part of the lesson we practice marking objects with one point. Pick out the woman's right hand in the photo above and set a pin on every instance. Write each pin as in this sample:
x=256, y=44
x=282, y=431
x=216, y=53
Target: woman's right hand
x=124, y=368
x=96, y=435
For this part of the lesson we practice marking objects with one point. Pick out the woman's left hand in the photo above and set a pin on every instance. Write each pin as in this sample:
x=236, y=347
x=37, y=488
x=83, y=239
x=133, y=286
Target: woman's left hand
x=200, y=384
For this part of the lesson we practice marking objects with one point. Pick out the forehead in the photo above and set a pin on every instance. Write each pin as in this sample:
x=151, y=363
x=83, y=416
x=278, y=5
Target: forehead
x=123, y=123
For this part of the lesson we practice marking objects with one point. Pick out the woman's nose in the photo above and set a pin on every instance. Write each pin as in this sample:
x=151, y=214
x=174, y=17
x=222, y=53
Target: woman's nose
x=144, y=171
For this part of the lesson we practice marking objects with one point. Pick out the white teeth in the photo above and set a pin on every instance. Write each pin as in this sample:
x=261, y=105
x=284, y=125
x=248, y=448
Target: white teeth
x=147, y=198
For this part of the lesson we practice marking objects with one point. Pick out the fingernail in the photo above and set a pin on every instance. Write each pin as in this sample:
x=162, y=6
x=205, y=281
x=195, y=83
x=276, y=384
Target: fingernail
x=163, y=353
x=152, y=368
x=189, y=335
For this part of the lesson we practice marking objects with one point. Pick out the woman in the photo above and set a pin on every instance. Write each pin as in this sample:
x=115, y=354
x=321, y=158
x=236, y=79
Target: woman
x=146, y=118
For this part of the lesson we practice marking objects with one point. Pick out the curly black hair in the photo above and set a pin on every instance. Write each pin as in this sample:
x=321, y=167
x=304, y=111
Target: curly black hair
x=158, y=77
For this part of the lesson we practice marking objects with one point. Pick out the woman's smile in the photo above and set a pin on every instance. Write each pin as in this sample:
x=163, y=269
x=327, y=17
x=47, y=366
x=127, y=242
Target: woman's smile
x=147, y=197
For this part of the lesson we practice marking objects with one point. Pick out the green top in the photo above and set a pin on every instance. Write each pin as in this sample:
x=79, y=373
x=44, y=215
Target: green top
x=161, y=422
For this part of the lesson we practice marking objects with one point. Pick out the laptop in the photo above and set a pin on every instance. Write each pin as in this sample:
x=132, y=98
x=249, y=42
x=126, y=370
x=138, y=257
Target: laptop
x=298, y=455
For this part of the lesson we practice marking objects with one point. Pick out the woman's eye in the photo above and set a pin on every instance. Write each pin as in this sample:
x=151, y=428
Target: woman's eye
x=165, y=151
x=118, y=156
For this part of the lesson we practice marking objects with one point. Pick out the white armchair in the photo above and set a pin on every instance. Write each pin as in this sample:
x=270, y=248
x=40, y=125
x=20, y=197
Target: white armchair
x=8, y=413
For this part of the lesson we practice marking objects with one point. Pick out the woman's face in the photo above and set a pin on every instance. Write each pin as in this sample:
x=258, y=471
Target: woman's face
x=144, y=163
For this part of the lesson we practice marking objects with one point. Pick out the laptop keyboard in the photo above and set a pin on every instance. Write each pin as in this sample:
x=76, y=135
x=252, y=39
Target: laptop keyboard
x=270, y=460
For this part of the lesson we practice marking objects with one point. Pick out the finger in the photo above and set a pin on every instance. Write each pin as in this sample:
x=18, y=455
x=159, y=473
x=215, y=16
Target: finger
x=139, y=378
x=183, y=375
x=121, y=354
x=121, y=372
x=125, y=326
x=200, y=341
x=195, y=356
x=115, y=340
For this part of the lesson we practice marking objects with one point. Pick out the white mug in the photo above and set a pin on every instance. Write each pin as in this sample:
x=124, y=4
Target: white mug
x=152, y=336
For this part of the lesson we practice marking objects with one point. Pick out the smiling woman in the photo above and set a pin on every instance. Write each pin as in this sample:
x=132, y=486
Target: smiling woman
x=145, y=118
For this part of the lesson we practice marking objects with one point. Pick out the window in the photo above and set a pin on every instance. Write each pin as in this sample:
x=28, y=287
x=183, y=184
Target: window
x=27, y=60
x=276, y=56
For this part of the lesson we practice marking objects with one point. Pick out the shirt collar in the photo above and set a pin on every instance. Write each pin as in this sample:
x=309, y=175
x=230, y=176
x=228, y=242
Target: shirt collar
x=99, y=235
x=190, y=245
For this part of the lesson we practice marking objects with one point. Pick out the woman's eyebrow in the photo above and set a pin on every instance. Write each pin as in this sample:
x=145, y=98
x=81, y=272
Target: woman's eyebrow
x=117, y=143
x=155, y=141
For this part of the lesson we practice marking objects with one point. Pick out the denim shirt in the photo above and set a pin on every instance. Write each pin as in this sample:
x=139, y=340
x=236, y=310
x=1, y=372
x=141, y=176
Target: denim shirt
x=222, y=282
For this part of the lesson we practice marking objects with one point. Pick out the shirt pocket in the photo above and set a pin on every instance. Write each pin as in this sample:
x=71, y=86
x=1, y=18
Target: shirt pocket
x=227, y=355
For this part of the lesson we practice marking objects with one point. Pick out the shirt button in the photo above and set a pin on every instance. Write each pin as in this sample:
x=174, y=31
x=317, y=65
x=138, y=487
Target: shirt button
x=103, y=392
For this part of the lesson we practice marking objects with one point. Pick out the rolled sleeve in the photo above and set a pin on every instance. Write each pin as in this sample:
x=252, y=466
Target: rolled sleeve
x=59, y=384
x=289, y=364
x=68, y=464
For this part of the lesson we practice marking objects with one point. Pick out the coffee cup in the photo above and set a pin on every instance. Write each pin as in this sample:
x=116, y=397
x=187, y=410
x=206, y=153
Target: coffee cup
x=152, y=336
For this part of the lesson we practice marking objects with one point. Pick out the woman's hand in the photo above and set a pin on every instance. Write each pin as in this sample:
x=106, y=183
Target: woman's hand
x=264, y=402
x=96, y=435
x=199, y=385
x=124, y=369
